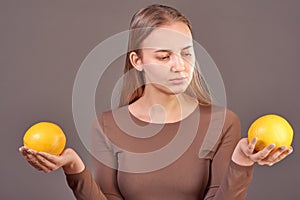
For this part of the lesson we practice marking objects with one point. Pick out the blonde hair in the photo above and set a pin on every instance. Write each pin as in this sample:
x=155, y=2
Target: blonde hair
x=141, y=25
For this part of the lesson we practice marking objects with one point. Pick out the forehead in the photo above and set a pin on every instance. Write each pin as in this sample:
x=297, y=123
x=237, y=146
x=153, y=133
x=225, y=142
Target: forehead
x=174, y=36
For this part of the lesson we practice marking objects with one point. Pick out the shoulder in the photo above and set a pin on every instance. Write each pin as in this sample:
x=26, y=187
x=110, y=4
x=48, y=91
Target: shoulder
x=220, y=120
x=231, y=117
x=112, y=122
x=219, y=113
x=232, y=125
x=110, y=116
x=231, y=130
x=222, y=117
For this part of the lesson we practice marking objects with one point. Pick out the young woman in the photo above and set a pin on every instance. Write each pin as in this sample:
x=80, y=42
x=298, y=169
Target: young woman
x=163, y=92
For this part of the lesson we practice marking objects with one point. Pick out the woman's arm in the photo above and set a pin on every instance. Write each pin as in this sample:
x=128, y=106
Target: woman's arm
x=85, y=187
x=105, y=162
x=227, y=179
x=78, y=177
x=231, y=181
x=106, y=178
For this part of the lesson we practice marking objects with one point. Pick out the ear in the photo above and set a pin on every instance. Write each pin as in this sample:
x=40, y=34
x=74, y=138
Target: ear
x=136, y=61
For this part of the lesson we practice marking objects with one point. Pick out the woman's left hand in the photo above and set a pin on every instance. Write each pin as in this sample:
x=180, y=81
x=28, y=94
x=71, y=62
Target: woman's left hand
x=245, y=155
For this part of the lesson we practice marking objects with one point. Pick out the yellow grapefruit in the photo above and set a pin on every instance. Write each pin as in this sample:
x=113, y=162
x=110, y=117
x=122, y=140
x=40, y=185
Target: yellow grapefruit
x=45, y=137
x=271, y=129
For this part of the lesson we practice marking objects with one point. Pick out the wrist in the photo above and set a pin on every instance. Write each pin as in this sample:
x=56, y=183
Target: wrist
x=75, y=164
x=240, y=158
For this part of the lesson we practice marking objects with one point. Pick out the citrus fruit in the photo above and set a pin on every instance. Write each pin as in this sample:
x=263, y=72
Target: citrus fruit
x=45, y=137
x=271, y=129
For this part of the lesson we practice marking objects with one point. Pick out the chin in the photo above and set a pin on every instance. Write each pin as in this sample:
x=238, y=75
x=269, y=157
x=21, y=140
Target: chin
x=173, y=89
x=177, y=90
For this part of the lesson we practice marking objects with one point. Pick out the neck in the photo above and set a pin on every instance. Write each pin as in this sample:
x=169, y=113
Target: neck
x=169, y=102
x=162, y=107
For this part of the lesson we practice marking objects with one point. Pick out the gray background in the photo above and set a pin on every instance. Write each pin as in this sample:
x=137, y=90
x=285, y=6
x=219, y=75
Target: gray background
x=255, y=44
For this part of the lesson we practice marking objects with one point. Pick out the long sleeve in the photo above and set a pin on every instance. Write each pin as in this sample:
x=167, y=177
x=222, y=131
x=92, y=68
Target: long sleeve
x=84, y=187
x=104, y=186
x=235, y=183
x=228, y=181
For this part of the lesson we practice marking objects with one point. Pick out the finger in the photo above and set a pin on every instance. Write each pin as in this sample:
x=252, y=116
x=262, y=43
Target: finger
x=32, y=160
x=273, y=156
x=31, y=151
x=284, y=154
x=42, y=167
x=267, y=163
x=48, y=165
x=259, y=156
x=251, y=145
x=247, y=147
x=35, y=162
x=24, y=151
x=40, y=162
x=280, y=157
x=291, y=149
x=29, y=155
x=36, y=165
x=22, y=148
x=51, y=158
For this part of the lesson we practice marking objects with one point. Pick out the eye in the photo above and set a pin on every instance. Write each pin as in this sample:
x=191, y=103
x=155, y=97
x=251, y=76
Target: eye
x=163, y=57
x=186, y=54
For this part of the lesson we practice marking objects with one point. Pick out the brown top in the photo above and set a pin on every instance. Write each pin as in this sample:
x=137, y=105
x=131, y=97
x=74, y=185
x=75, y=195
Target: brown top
x=189, y=159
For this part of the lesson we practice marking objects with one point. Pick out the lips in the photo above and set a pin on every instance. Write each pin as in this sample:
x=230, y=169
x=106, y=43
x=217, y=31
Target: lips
x=178, y=80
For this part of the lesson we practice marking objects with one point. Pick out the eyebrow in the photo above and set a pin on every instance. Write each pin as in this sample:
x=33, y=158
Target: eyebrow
x=168, y=50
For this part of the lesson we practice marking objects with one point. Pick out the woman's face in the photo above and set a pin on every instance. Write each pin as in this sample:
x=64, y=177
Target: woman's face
x=168, y=58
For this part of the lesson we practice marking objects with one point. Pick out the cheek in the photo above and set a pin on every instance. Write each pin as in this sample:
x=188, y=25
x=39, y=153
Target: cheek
x=156, y=73
x=189, y=69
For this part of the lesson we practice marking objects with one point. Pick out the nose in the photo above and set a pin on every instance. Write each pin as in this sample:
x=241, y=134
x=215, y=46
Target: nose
x=177, y=64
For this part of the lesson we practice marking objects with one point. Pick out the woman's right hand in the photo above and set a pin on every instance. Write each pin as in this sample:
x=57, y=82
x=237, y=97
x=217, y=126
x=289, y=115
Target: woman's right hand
x=68, y=160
